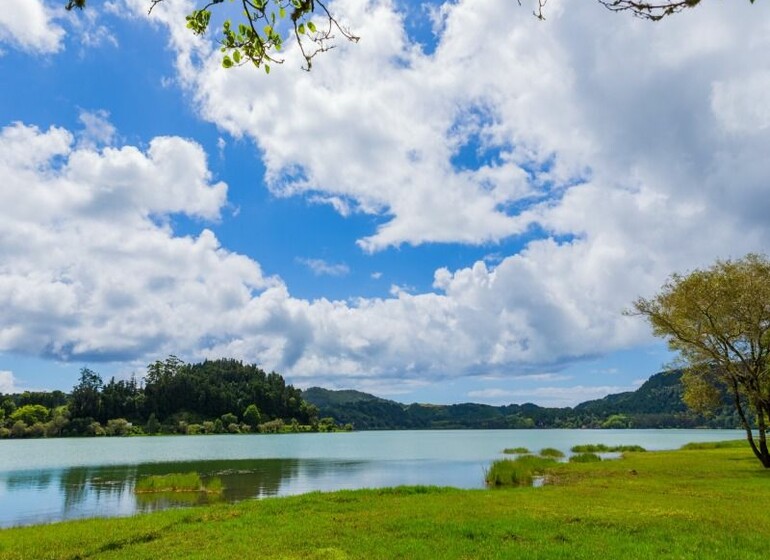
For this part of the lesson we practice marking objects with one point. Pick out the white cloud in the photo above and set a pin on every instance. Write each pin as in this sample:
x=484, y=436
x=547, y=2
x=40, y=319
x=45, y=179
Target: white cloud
x=634, y=157
x=29, y=25
x=322, y=268
x=7, y=383
x=97, y=130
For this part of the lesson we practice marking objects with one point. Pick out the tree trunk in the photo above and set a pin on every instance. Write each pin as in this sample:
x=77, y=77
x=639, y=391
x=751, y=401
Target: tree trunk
x=763, y=457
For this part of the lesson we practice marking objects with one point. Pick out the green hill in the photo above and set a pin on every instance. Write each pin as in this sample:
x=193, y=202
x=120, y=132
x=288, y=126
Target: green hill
x=655, y=404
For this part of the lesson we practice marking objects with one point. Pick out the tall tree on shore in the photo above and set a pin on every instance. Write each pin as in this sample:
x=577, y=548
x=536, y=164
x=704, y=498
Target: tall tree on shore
x=718, y=321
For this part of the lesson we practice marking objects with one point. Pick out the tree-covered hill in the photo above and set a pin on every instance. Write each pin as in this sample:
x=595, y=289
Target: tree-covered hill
x=655, y=404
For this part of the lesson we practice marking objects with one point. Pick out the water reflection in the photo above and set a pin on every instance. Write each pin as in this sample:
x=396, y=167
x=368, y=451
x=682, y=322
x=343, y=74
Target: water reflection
x=42, y=496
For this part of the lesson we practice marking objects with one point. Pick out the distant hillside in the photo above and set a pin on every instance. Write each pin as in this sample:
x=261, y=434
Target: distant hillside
x=656, y=404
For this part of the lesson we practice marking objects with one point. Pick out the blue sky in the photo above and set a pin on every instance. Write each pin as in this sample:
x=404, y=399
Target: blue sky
x=458, y=208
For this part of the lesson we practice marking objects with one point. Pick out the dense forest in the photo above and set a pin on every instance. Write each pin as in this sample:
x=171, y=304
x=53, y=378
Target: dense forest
x=656, y=404
x=219, y=396
x=227, y=396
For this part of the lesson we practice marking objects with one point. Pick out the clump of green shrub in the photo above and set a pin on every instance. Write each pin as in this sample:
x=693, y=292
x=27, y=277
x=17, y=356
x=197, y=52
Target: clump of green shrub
x=516, y=450
x=730, y=444
x=602, y=448
x=516, y=472
x=177, y=482
x=585, y=458
x=551, y=452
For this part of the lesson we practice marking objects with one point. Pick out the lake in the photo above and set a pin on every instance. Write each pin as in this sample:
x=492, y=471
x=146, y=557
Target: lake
x=46, y=480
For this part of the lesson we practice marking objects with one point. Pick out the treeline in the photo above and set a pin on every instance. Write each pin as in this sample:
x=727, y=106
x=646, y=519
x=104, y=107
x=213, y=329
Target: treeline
x=215, y=396
x=656, y=404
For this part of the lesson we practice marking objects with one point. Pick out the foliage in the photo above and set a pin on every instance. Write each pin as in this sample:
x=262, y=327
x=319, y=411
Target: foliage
x=653, y=11
x=656, y=404
x=86, y=399
x=252, y=416
x=31, y=413
x=718, y=321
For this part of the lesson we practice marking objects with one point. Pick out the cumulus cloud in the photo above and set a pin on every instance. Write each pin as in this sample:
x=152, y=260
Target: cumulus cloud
x=7, y=383
x=632, y=150
x=28, y=25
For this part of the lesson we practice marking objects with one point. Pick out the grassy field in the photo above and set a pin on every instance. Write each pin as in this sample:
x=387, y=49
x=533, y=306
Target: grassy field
x=703, y=503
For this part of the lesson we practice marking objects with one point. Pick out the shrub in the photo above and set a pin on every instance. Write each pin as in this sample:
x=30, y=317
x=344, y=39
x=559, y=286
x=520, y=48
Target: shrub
x=118, y=427
x=19, y=429
x=36, y=430
x=4, y=433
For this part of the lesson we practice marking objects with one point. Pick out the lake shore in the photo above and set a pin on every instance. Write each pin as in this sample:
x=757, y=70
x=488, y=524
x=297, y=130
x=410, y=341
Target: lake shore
x=666, y=504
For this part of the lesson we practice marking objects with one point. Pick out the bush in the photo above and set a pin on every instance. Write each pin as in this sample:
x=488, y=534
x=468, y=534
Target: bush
x=4, y=433
x=36, y=430
x=272, y=427
x=118, y=427
x=585, y=458
x=19, y=429
x=233, y=428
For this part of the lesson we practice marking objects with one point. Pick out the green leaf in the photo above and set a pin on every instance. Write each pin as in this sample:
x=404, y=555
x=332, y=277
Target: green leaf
x=236, y=56
x=282, y=12
x=226, y=62
x=311, y=26
x=267, y=68
x=301, y=28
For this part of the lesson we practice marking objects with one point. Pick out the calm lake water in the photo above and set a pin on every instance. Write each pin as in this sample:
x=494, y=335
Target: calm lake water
x=47, y=480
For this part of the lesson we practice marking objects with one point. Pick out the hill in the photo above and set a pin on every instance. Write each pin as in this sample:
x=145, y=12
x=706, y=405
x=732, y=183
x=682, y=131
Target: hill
x=655, y=404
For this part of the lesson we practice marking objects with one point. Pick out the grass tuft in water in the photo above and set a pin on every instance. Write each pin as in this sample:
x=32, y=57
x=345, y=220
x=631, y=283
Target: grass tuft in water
x=585, y=458
x=516, y=472
x=602, y=448
x=516, y=450
x=551, y=452
x=177, y=482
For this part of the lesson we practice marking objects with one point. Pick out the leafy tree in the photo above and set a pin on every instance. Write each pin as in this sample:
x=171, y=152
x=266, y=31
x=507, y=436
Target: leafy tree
x=252, y=416
x=153, y=426
x=31, y=413
x=718, y=320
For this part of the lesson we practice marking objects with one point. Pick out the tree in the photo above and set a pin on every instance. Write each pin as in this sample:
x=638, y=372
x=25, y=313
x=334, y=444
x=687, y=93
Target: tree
x=86, y=395
x=718, y=320
x=252, y=416
x=264, y=26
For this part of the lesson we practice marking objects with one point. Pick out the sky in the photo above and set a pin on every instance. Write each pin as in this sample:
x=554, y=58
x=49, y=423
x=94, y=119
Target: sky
x=457, y=208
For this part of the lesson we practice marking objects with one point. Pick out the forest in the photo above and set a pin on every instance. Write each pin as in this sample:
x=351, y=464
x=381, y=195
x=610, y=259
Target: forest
x=215, y=396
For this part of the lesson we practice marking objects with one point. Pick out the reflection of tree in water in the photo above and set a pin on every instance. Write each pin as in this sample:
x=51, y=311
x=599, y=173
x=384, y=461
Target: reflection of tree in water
x=109, y=490
x=78, y=484
x=28, y=479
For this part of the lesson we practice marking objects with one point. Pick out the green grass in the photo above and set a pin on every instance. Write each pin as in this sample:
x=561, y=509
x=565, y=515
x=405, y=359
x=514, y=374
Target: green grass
x=177, y=482
x=516, y=472
x=602, y=448
x=730, y=444
x=516, y=450
x=692, y=505
x=551, y=452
